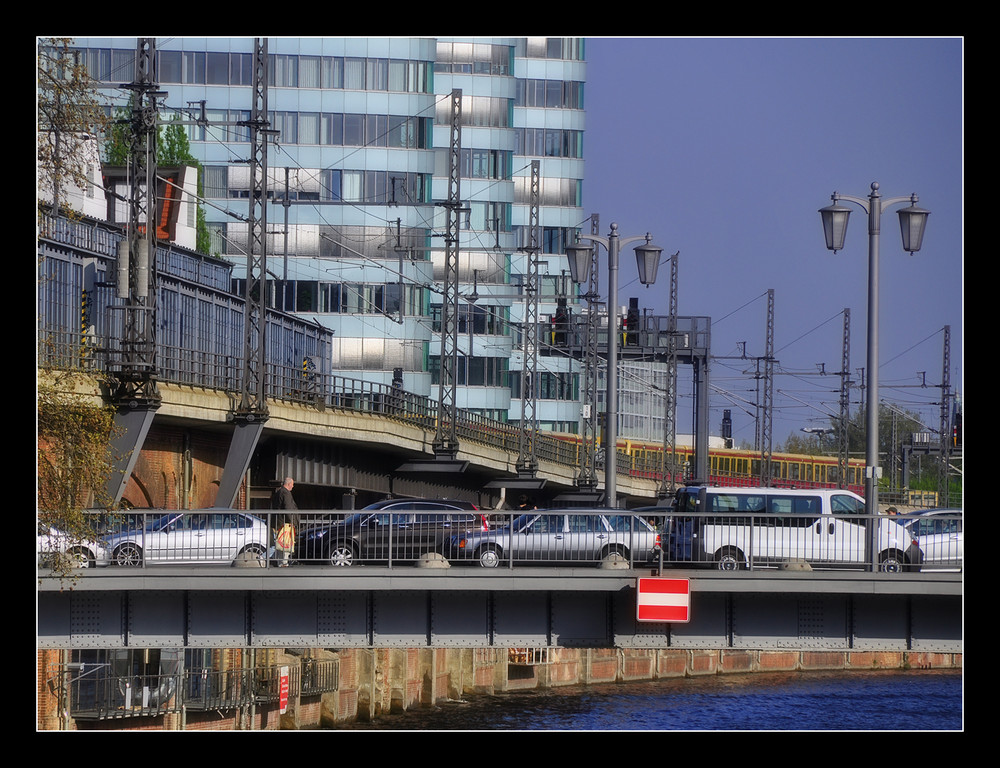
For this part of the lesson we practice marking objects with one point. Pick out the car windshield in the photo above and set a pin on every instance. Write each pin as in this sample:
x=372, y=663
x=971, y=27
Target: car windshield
x=521, y=521
x=161, y=523
x=357, y=519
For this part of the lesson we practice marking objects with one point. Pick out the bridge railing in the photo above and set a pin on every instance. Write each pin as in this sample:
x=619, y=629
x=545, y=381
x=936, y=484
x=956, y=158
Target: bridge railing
x=102, y=690
x=514, y=538
x=883, y=543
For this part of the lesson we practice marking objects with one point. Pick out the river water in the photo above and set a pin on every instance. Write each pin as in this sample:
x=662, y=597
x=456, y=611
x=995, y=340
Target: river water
x=824, y=701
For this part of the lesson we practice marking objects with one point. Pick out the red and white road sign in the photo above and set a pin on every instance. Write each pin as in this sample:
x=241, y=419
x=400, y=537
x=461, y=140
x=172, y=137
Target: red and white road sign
x=282, y=689
x=663, y=600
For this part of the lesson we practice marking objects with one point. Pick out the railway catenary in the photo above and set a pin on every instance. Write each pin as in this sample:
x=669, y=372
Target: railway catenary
x=200, y=343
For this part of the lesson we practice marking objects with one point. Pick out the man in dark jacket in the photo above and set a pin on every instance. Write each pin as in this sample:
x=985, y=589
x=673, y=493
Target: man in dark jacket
x=285, y=525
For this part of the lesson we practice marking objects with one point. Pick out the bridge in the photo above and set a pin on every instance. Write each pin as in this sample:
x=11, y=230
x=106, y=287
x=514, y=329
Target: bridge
x=339, y=437
x=469, y=607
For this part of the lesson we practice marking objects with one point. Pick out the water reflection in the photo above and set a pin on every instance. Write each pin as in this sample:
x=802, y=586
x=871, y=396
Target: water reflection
x=919, y=700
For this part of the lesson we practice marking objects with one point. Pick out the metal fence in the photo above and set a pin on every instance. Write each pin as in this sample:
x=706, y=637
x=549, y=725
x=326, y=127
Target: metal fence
x=884, y=543
x=610, y=538
x=95, y=691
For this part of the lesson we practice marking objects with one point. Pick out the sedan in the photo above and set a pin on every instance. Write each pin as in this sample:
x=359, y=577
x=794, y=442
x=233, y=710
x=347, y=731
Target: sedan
x=938, y=533
x=54, y=544
x=206, y=536
x=386, y=534
x=559, y=536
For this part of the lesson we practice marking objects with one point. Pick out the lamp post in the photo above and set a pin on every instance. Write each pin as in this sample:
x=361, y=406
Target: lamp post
x=820, y=431
x=912, y=221
x=648, y=259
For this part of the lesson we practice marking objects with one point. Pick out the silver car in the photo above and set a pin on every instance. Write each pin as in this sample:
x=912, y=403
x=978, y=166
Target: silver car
x=203, y=536
x=559, y=536
x=938, y=533
x=54, y=544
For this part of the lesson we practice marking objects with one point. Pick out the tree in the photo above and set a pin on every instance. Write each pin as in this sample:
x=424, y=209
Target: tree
x=808, y=445
x=68, y=109
x=172, y=148
x=74, y=456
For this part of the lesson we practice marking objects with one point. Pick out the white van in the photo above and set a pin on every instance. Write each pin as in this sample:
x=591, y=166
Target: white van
x=736, y=528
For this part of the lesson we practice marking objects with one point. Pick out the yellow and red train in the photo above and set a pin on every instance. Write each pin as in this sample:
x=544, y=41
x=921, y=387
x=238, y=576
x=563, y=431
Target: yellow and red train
x=737, y=467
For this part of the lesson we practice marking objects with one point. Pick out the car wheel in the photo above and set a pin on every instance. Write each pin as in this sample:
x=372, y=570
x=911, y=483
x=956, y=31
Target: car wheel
x=81, y=557
x=489, y=557
x=254, y=552
x=892, y=561
x=730, y=559
x=128, y=554
x=614, y=553
x=342, y=555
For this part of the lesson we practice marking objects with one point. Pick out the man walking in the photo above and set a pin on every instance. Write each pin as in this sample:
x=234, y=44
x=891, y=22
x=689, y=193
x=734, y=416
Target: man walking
x=285, y=524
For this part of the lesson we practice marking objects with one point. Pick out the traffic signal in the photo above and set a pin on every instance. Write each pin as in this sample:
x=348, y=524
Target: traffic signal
x=632, y=323
x=560, y=325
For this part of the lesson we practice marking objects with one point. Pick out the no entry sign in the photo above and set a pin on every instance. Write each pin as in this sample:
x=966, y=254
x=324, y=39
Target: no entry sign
x=663, y=600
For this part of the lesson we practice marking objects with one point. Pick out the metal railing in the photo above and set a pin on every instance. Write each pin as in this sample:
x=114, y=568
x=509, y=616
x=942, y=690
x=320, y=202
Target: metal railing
x=217, y=689
x=512, y=538
x=883, y=543
x=92, y=691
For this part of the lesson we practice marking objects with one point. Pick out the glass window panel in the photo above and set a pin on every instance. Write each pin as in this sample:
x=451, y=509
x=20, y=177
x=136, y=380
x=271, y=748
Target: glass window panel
x=332, y=72
x=333, y=129
x=240, y=69
x=194, y=67
x=309, y=72
x=217, y=68
x=354, y=74
x=352, y=186
x=377, y=77
x=99, y=63
x=309, y=128
x=354, y=130
x=397, y=75
x=171, y=67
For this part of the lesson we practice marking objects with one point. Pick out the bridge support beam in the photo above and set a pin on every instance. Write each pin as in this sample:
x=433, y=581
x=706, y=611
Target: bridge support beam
x=246, y=435
x=505, y=617
x=131, y=427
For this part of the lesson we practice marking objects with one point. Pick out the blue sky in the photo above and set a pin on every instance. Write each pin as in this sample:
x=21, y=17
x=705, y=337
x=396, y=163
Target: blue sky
x=726, y=148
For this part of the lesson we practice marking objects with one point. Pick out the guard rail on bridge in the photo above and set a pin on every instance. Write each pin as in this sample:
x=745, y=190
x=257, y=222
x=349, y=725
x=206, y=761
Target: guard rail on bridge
x=508, y=540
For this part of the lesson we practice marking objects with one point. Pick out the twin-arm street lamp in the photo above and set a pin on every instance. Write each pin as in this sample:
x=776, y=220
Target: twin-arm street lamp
x=912, y=221
x=648, y=259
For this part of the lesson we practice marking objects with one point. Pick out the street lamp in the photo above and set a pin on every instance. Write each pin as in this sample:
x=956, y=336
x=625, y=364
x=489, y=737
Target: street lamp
x=647, y=261
x=819, y=431
x=912, y=221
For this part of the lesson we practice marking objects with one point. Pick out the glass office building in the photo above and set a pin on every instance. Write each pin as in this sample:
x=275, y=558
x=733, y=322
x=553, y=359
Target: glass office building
x=357, y=174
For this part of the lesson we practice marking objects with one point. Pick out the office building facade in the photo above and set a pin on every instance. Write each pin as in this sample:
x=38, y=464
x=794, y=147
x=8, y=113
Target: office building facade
x=357, y=174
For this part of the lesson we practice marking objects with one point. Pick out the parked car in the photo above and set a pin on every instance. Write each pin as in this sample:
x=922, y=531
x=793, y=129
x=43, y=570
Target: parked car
x=939, y=535
x=389, y=530
x=548, y=536
x=203, y=536
x=733, y=528
x=83, y=553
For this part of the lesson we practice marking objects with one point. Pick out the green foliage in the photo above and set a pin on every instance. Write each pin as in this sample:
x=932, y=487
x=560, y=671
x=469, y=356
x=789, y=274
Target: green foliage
x=172, y=148
x=74, y=455
x=67, y=107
